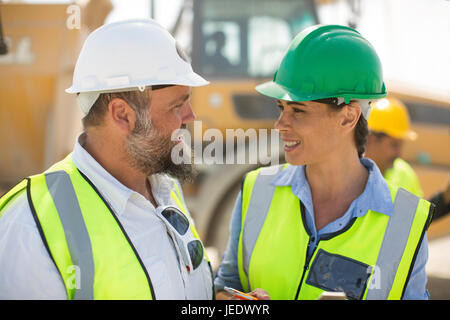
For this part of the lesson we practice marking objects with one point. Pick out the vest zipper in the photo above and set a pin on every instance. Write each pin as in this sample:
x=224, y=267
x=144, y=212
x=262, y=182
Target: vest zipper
x=306, y=266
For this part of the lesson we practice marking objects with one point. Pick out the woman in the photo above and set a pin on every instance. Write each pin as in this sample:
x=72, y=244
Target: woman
x=327, y=220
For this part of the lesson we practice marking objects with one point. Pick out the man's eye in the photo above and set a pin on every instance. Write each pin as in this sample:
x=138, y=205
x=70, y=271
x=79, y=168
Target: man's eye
x=280, y=107
x=296, y=110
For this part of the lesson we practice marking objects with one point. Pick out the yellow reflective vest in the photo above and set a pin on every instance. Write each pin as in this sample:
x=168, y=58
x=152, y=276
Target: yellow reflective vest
x=403, y=176
x=83, y=236
x=371, y=258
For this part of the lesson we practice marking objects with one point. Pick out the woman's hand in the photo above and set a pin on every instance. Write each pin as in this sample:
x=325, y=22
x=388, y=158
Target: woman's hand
x=260, y=294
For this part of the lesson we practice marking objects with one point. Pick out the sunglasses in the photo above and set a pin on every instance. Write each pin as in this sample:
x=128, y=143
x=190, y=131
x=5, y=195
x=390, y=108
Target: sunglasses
x=189, y=248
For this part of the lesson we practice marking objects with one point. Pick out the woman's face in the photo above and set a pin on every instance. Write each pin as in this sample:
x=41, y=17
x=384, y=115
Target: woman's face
x=310, y=131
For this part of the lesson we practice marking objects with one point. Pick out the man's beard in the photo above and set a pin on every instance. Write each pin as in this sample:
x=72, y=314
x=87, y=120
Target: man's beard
x=150, y=152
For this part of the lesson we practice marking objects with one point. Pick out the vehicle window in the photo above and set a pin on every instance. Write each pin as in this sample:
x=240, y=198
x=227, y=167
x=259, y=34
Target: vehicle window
x=265, y=56
x=222, y=46
x=246, y=39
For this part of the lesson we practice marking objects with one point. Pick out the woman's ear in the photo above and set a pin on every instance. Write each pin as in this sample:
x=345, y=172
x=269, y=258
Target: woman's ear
x=121, y=114
x=350, y=115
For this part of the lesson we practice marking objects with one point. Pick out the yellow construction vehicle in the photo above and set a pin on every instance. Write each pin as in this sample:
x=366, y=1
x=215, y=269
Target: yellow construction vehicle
x=38, y=120
x=235, y=44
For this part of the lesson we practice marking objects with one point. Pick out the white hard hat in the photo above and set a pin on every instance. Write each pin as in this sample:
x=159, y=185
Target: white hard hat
x=129, y=54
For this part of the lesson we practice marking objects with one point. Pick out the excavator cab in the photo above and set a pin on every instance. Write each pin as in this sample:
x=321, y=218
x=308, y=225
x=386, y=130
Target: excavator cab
x=238, y=44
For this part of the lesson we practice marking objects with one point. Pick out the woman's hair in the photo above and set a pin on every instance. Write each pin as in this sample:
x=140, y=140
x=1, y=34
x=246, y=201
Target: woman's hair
x=361, y=129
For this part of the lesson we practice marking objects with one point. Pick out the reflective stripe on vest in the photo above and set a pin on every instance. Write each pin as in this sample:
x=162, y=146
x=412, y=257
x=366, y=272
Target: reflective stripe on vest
x=259, y=207
x=119, y=272
x=392, y=245
x=84, y=238
x=77, y=237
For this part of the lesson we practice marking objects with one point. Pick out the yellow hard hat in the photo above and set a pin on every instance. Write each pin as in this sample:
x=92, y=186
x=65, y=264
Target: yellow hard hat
x=390, y=116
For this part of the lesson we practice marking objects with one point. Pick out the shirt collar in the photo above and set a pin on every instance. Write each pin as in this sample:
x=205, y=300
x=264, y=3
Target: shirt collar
x=114, y=192
x=376, y=195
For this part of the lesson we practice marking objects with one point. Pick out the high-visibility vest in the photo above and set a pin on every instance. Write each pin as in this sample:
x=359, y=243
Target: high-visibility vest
x=371, y=258
x=83, y=236
x=403, y=176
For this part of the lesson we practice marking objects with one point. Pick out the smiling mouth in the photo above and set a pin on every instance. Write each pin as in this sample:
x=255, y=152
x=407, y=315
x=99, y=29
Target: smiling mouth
x=291, y=145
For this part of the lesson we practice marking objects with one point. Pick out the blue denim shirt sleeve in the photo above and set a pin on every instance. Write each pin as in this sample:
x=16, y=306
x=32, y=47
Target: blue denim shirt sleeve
x=416, y=287
x=228, y=273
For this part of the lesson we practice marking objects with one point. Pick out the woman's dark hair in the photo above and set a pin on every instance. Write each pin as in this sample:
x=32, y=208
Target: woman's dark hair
x=361, y=129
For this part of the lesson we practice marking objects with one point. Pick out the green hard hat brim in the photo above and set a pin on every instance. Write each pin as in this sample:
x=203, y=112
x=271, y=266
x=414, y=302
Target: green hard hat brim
x=280, y=92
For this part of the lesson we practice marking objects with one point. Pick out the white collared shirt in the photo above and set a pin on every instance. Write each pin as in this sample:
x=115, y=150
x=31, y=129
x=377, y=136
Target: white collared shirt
x=27, y=271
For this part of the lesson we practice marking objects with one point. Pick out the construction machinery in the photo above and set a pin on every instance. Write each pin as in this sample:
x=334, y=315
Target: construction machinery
x=38, y=120
x=235, y=44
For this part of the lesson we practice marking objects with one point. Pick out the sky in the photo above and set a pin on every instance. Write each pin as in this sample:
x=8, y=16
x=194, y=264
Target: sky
x=131, y=9
x=165, y=10
x=412, y=38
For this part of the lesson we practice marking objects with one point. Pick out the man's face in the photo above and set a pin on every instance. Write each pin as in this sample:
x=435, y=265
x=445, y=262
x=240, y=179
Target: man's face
x=149, y=145
x=384, y=150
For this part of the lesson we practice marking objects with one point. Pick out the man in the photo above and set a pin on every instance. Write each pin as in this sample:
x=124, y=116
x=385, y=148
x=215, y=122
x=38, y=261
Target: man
x=109, y=221
x=389, y=126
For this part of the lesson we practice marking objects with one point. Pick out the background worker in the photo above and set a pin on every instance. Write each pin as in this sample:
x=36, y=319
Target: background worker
x=389, y=127
x=109, y=221
x=326, y=221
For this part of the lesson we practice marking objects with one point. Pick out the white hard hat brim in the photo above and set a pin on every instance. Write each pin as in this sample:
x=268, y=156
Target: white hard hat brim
x=131, y=54
x=86, y=99
x=191, y=80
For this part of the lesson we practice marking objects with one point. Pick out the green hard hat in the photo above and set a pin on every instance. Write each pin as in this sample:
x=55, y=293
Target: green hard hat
x=326, y=61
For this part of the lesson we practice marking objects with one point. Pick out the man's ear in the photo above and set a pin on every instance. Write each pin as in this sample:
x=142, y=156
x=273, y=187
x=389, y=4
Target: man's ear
x=121, y=114
x=350, y=115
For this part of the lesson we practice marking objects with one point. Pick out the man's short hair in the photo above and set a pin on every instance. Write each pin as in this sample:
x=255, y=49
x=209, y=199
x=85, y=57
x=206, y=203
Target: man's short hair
x=138, y=100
